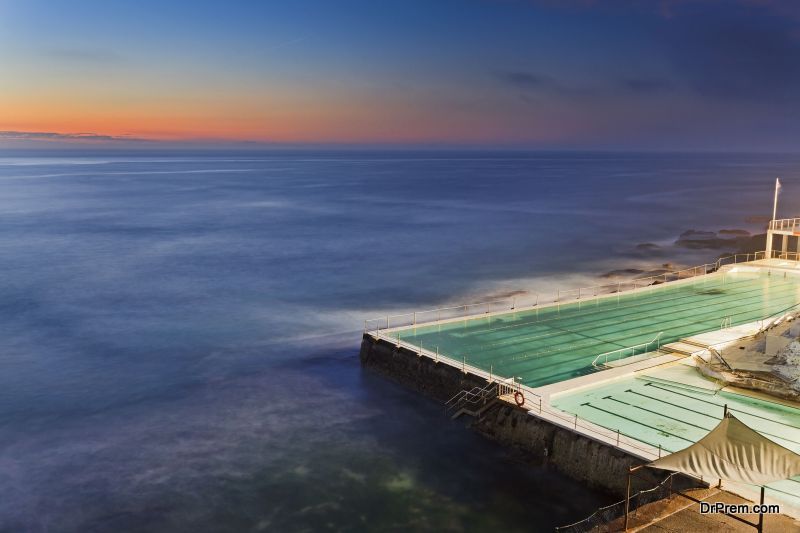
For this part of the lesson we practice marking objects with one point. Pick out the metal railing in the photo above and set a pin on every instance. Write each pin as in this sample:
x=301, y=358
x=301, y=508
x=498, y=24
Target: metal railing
x=533, y=300
x=614, y=437
x=784, y=224
x=462, y=364
x=774, y=320
x=600, y=519
x=622, y=351
x=788, y=256
x=474, y=397
x=536, y=405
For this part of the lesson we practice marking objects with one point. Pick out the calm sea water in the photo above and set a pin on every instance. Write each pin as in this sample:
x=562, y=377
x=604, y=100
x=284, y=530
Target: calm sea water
x=179, y=331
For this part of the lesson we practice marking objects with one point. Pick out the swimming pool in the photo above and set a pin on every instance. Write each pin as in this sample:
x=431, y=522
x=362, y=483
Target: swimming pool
x=551, y=344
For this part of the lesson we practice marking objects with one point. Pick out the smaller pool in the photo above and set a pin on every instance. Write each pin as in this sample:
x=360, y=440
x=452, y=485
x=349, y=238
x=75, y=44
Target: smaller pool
x=675, y=407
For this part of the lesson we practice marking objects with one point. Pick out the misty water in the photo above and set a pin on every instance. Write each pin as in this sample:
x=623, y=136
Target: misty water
x=179, y=331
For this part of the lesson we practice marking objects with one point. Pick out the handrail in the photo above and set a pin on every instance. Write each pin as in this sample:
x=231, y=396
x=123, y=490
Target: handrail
x=778, y=254
x=656, y=339
x=784, y=223
x=600, y=432
x=462, y=365
x=472, y=396
x=778, y=318
x=716, y=353
x=533, y=299
x=535, y=403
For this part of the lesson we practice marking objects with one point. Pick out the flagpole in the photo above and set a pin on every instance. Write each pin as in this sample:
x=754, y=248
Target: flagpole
x=775, y=203
x=770, y=227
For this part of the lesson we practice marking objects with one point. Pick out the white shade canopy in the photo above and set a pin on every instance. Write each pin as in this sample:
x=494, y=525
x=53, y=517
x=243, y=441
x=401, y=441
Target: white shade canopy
x=733, y=451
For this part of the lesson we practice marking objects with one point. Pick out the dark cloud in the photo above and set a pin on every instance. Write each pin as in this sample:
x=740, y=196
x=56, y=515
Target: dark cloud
x=746, y=53
x=647, y=85
x=721, y=49
x=51, y=136
x=526, y=80
x=666, y=8
x=530, y=83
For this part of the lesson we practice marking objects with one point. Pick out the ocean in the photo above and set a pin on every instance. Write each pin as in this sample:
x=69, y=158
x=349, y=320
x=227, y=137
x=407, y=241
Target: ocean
x=179, y=331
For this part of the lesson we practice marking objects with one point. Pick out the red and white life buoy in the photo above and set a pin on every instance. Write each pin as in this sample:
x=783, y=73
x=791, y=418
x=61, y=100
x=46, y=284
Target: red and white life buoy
x=519, y=398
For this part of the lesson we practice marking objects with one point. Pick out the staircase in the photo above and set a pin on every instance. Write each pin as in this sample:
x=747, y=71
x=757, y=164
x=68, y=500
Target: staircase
x=473, y=402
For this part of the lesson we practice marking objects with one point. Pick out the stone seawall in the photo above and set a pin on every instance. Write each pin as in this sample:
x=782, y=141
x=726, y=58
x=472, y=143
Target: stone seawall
x=596, y=464
x=437, y=380
x=599, y=465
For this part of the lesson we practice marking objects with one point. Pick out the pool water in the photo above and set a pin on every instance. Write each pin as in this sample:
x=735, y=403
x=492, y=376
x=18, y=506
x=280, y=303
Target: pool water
x=552, y=344
x=675, y=407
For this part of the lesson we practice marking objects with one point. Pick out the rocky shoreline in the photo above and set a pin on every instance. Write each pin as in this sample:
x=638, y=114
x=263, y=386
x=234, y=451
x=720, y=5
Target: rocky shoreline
x=724, y=242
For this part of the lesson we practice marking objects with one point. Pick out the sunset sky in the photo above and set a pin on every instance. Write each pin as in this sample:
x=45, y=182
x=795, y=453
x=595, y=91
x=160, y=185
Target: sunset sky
x=691, y=74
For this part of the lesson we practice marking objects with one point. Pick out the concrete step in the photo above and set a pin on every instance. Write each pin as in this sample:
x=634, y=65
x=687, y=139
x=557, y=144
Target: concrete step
x=630, y=360
x=694, y=342
x=474, y=413
x=683, y=348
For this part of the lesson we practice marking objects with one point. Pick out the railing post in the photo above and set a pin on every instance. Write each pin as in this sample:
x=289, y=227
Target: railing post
x=576, y=421
x=627, y=499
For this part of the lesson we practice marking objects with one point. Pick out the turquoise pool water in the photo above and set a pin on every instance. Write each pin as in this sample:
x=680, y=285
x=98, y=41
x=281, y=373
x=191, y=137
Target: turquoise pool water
x=675, y=407
x=552, y=344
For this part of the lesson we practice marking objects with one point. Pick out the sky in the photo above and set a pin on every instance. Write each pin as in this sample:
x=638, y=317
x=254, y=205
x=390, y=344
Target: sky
x=570, y=74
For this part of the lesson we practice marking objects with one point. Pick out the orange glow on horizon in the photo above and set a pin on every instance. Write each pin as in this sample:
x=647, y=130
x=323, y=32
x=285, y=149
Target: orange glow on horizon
x=280, y=115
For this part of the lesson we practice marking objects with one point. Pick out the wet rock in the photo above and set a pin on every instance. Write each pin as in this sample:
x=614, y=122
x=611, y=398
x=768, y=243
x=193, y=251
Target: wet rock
x=623, y=272
x=727, y=239
x=734, y=232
